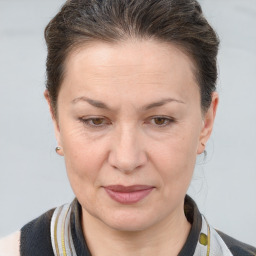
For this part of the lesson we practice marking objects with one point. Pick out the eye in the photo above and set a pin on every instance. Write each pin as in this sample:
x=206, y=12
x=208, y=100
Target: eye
x=100, y=122
x=96, y=122
x=162, y=121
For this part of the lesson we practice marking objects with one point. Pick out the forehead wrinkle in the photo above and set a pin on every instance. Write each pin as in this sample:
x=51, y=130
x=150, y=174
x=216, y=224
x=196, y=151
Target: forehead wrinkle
x=102, y=105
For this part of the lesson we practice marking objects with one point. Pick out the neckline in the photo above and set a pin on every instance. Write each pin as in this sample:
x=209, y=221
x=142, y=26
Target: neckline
x=191, y=212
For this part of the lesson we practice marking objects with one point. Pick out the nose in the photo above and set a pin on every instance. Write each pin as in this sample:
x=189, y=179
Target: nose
x=127, y=152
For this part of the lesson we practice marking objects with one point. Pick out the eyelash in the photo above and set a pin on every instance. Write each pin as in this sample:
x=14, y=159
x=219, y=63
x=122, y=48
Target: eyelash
x=168, y=121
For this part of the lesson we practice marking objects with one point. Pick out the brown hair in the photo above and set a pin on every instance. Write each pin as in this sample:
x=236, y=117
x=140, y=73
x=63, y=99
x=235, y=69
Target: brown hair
x=175, y=21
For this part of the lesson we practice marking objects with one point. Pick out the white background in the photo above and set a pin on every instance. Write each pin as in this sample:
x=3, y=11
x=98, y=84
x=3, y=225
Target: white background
x=32, y=176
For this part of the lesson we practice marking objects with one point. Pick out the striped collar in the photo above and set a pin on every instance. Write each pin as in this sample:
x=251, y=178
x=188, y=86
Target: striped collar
x=68, y=240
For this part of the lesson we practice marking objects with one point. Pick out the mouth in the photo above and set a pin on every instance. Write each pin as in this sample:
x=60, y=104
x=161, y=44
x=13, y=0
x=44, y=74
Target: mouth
x=128, y=194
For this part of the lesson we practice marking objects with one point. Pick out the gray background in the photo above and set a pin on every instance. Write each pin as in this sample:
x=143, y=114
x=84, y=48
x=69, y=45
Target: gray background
x=32, y=176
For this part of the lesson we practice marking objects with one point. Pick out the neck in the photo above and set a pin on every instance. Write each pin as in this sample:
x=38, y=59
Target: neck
x=164, y=238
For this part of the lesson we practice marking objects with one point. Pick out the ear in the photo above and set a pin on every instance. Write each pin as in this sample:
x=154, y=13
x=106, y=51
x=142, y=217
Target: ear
x=208, y=121
x=55, y=123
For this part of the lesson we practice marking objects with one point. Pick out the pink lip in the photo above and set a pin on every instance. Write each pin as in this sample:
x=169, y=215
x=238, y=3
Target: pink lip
x=128, y=195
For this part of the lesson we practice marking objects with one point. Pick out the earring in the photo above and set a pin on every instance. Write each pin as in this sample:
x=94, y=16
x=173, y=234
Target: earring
x=57, y=149
x=205, y=154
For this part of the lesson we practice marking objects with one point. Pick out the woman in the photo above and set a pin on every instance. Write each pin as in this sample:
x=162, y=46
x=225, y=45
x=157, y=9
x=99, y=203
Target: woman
x=129, y=158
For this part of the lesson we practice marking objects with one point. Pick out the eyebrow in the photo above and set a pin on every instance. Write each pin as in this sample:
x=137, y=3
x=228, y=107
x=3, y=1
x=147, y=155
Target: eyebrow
x=102, y=105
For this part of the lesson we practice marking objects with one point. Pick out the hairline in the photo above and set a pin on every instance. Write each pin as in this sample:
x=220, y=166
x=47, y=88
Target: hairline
x=83, y=43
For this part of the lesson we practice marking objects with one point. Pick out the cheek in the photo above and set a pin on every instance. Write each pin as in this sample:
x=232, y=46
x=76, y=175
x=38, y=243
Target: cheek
x=83, y=158
x=176, y=157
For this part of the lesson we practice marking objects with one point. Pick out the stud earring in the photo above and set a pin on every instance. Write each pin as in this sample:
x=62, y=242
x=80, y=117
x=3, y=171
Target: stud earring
x=57, y=149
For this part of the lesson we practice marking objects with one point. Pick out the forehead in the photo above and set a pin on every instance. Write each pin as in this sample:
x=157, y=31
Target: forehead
x=139, y=66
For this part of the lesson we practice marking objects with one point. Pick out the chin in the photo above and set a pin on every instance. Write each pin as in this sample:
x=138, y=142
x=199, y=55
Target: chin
x=128, y=226
x=128, y=221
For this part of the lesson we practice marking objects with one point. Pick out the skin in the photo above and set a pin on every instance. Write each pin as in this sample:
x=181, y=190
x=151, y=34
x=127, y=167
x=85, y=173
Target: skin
x=10, y=245
x=131, y=145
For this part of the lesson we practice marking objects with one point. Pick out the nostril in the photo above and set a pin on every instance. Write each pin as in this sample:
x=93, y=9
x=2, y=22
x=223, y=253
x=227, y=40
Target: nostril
x=126, y=163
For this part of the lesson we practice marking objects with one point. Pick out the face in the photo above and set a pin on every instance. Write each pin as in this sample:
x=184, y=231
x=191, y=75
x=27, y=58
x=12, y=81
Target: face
x=130, y=127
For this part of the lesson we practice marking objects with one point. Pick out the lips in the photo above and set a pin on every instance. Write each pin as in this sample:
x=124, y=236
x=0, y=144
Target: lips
x=128, y=194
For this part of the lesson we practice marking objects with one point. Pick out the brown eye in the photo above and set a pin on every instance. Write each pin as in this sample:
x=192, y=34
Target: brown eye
x=97, y=121
x=161, y=121
x=94, y=122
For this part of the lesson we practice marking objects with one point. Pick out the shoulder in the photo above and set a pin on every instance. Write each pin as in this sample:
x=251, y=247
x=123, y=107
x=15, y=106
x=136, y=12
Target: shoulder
x=35, y=238
x=9, y=246
x=236, y=247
